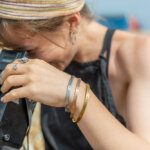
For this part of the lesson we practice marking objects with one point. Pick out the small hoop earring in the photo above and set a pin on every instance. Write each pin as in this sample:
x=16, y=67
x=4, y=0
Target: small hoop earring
x=73, y=37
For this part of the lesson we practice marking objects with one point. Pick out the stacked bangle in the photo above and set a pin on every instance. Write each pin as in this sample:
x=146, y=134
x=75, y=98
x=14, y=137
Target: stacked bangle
x=73, y=105
x=70, y=106
x=68, y=92
x=86, y=98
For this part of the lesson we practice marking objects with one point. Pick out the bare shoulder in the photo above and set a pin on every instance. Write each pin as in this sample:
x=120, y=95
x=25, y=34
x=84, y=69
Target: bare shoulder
x=132, y=52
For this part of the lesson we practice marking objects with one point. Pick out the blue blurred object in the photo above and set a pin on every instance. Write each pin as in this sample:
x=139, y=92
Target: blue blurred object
x=115, y=22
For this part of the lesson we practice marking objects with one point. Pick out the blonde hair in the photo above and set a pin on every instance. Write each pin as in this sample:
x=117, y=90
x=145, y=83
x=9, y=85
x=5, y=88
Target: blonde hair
x=51, y=25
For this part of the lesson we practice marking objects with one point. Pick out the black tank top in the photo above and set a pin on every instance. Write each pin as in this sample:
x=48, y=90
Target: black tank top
x=58, y=130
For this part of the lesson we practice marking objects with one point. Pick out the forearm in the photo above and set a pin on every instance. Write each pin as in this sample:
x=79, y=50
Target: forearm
x=103, y=131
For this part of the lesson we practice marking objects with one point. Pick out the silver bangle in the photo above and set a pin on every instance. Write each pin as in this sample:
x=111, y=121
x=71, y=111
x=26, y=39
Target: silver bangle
x=68, y=92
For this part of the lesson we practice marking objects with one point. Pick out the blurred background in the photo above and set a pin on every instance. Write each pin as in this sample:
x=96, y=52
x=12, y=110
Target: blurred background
x=123, y=14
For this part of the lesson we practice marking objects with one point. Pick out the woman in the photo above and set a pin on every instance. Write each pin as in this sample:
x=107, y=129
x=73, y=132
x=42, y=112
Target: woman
x=67, y=37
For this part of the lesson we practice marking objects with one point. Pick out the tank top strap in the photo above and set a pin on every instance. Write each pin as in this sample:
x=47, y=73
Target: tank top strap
x=107, y=47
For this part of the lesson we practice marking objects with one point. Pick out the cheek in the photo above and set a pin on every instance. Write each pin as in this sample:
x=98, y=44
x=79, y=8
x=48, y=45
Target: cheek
x=40, y=56
x=59, y=58
x=36, y=54
x=57, y=55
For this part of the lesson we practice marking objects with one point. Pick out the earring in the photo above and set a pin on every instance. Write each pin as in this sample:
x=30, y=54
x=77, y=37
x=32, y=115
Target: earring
x=73, y=37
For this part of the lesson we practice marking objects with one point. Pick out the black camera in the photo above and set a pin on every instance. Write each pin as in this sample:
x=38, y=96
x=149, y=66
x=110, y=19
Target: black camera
x=15, y=117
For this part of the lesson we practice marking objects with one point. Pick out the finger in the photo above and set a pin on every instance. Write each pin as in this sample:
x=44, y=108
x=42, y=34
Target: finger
x=22, y=60
x=14, y=94
x=13, y=81
x=10, y=70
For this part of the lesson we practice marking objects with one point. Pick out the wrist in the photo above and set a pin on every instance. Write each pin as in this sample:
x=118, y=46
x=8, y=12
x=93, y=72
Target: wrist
x=76, y=99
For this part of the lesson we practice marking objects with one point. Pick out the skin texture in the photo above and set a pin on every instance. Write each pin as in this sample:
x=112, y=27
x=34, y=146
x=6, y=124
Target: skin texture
x=129, y=77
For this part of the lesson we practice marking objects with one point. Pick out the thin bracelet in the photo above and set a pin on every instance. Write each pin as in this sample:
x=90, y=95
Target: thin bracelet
x=68, y=91
x=73, y=105
x=87, y=96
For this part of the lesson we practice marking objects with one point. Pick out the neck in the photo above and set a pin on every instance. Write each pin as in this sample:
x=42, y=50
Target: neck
x=91, y=37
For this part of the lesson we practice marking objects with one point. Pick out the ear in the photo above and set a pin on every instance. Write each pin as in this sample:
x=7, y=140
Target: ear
x=74, y=20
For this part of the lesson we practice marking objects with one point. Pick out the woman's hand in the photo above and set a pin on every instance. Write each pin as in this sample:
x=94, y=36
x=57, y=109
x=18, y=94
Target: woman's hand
x=35, y=80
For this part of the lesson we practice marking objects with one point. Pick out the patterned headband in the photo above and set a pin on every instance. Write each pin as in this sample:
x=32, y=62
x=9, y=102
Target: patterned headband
x=38, y=9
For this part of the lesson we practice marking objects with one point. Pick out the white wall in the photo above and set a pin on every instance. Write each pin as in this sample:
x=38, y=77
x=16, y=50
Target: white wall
x=138, y=8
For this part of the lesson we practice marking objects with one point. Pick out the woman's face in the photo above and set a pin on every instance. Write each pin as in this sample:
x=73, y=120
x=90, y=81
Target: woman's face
x=54, y=48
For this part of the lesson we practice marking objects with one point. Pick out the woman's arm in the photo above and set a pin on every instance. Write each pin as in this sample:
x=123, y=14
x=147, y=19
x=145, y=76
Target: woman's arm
x=103, y=131
x=41, y=82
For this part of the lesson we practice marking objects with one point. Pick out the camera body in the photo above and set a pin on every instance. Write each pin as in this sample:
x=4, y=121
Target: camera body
x=15, y=117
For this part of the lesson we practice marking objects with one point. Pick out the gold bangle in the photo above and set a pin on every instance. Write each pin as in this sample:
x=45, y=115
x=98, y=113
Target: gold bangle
x=87, y=96
x=73, y=105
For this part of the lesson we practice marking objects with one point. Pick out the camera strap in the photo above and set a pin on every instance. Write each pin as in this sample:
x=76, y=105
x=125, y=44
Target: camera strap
x=30, y=113
x=29, y=110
